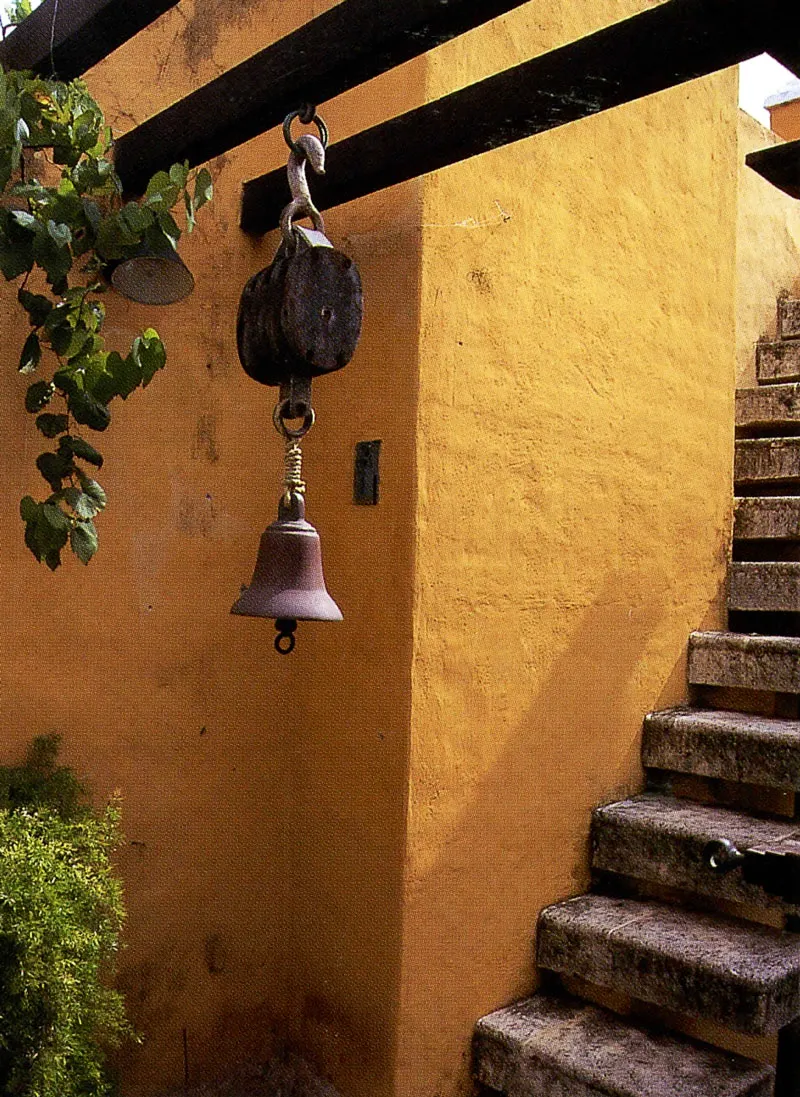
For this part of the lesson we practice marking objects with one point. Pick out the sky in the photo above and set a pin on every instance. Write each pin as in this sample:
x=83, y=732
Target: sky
x=759, y=79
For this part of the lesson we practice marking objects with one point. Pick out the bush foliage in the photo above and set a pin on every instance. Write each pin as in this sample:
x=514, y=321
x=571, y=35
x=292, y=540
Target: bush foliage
x=60, y=916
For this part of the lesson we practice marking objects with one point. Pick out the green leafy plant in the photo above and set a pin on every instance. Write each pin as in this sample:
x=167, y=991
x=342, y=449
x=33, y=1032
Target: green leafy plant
x=63, y=220
x=60, y=915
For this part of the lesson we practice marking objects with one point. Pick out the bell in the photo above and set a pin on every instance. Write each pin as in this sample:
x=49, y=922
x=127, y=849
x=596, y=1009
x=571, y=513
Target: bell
x=153, y=277
x=287, y=582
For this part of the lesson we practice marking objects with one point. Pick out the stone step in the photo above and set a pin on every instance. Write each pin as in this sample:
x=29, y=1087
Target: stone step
x=739, y=974
x=560, y=1047
x=765, y=586
x=767, y=517
x=788, y=318
x=742, y=661
x=736, y=746
x=766, y=461
x=771, y=409
x=777, y=362
x=661, y=840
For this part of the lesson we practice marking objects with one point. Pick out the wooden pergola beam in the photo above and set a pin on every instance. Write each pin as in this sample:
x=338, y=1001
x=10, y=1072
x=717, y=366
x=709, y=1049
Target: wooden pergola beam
x=66, y=37
x=674, y=42
x=779, y=165
x=340, y=49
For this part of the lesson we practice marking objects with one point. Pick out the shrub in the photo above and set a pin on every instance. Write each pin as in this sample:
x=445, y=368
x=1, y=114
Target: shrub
x=60, y=916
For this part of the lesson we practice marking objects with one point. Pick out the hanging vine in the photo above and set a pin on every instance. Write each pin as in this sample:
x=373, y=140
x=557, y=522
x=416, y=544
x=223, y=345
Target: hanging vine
x=63, y=220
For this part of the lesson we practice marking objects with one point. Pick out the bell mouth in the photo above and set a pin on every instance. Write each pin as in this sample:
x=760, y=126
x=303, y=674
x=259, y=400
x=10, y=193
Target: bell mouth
x=153, y=277
x=289, y=604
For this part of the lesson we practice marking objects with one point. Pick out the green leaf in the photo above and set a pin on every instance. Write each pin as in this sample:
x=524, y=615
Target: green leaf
x=149, y=353
x=88, y=410
x=65, y=380
x=60, y=234
x=203, y=188
x=179, y=173
x=23, y=218
x=37, y=307
x=83, y=505
x=54, y=467
x=136, y=218
x=16, y=257
x=52, y=425
x=167, y=224
x=39, y=395
x=82, y=449
x=83, y=541
x=94, y=491
x=28, y=509
x=31, y=354
x=191, y=221
x=127, y=373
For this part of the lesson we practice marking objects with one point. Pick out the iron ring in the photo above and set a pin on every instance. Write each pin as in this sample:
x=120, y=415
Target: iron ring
x=281, y=413
x=287, y=647
x=301, y=114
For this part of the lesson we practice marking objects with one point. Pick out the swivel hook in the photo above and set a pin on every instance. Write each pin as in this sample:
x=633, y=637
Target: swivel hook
x=305, y=150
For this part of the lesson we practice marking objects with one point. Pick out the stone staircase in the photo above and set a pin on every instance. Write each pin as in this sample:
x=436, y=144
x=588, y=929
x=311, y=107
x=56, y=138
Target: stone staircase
x=693, y=911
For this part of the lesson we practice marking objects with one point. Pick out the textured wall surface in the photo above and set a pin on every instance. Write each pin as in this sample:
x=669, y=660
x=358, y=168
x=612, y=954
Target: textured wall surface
x=345, y=852
x=574, y=452
x=264, y=798
x=768, y=250
x=785, y=120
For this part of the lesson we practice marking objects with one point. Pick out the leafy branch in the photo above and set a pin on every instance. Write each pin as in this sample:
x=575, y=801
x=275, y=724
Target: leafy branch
x=63, y=221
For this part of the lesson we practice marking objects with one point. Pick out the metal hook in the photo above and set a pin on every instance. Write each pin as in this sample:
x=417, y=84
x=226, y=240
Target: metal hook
x=305, y=150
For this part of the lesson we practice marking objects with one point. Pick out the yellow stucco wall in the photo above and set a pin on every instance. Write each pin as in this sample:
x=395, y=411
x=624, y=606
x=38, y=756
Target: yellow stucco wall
x=768, y=250
x=346, y=851
x=574, y=448
x=264, y=798
x=785, y=120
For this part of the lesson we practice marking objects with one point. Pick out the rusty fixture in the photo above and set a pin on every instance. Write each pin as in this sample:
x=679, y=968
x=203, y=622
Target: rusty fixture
x=152, y=276
x=299, y=318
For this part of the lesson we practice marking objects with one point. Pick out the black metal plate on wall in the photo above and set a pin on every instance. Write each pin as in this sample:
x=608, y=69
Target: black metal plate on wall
x=366, y=478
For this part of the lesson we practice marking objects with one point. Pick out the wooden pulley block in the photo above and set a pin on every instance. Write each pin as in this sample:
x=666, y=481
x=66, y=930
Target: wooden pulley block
x=300, y=316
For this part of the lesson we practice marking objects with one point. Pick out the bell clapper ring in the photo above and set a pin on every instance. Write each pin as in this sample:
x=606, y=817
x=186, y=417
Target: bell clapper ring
x=286, y=639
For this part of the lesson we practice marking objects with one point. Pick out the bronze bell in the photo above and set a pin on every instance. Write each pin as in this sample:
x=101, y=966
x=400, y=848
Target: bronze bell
x=287, y=582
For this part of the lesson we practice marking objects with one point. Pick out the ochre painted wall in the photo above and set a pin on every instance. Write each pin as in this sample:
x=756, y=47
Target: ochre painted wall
x=785, y=120
x=264, y=798
x=574, y=447
x=345, y=852
x=768, y=250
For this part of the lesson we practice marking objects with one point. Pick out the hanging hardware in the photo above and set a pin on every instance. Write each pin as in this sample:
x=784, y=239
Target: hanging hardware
x=774, y=868
x=152, y=276
x=299, y=318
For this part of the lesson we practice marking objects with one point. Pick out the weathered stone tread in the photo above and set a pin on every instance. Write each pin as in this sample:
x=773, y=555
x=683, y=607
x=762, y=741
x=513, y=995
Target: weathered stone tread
x=788, y=318
x=735, y=746
x=772, y=407
x=779, y=361
x=768, y=586
x=740, y=974
x=559, y=1047
x=767, y=517
x=744, y=661
x=762, y=461
x=661, y=840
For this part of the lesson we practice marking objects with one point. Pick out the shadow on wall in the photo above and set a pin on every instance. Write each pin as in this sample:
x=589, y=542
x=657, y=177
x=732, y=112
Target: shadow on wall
x=284, y=1076
x=575, y=747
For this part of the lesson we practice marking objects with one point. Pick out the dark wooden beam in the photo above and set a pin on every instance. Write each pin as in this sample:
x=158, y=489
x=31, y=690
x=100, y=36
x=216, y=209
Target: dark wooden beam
x=67, y=37
x=345, y=46
x=780, y=165
x=676, y=41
